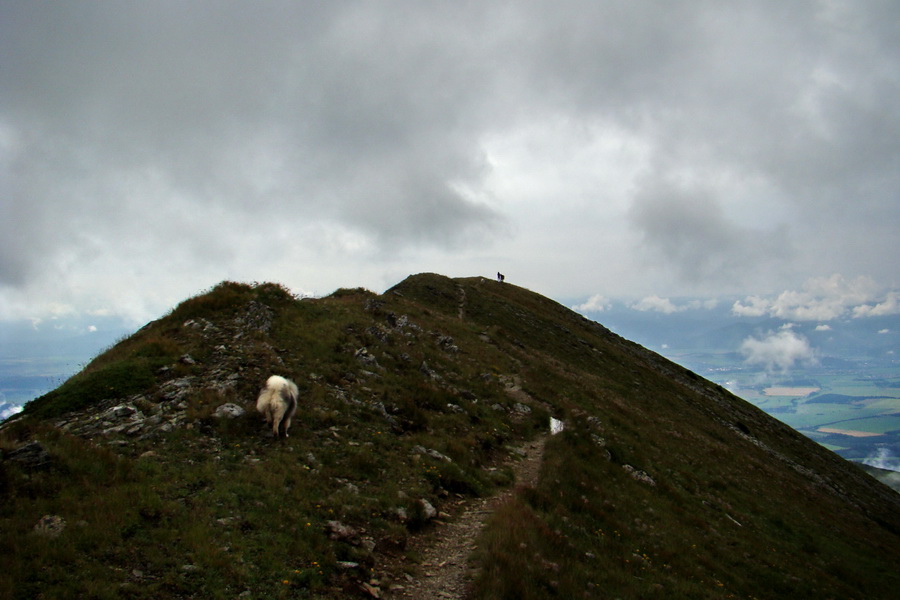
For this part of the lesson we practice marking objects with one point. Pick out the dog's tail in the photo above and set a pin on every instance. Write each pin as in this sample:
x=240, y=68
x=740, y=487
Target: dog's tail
x=290, y=399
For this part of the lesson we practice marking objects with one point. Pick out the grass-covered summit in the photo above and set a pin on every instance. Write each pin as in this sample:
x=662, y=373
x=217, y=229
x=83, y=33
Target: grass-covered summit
x=662, y=484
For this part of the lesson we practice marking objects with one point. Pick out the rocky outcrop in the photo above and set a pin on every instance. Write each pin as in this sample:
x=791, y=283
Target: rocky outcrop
x=31, y=457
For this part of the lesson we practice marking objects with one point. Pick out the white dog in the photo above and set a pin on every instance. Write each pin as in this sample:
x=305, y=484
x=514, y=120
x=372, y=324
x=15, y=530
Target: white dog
x=278, y=402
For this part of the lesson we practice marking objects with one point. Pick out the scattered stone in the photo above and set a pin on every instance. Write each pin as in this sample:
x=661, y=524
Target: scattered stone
x=522, y=409
x=639, y=475
x=379, y=333
x=257, y=316
x=123, y=411
x=176, y=389
x=556, y=426
x=365, y=357
x=373, y=305
x=446, y=344
x=229, y=410
x=339, y=532
x=32, y=456
x=403, y=322
x=432, y=453
x=428, y=372
x=50, y=526
x=428, y=510
x=133, y=430
x=201, y=324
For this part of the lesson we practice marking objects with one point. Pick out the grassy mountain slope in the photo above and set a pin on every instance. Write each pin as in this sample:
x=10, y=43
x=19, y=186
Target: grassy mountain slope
x=661, y=484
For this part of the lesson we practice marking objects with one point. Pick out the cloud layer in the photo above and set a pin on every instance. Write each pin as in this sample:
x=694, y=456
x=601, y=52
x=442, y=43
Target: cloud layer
x=823, y=299
x=779, y=350
x=149, y=150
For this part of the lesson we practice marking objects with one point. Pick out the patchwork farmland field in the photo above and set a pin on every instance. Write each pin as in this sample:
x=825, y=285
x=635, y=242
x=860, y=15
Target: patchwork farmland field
x=853, y=411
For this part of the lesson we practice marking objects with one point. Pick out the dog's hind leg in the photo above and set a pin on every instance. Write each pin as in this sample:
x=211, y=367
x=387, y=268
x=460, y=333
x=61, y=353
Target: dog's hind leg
x=277, y=417
x=288, y=406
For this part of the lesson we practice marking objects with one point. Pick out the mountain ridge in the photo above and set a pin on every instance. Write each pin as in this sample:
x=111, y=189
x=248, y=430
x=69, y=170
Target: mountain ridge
x=413, y=398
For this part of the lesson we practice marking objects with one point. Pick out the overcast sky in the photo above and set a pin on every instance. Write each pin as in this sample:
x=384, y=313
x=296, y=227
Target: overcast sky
x=589, y=150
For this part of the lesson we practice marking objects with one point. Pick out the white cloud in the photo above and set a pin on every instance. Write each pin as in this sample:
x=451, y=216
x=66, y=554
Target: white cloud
x=781, y=350
x=822, y=299
x=823, y=327
x=655, y=303
x=755, y=307
x=92, y=328
x=596, y=303
x=8, y=410
x=884, y=331
x=883, y=459
x=890, y=306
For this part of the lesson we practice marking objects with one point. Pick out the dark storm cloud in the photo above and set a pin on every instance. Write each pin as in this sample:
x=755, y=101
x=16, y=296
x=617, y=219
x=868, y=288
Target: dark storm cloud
x=223, y=135
x=294, y=111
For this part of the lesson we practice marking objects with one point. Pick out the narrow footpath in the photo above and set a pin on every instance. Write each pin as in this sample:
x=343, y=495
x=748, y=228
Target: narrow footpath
x=444, y=570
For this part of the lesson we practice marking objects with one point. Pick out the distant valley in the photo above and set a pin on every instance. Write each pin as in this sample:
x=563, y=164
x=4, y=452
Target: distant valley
x=838, y=383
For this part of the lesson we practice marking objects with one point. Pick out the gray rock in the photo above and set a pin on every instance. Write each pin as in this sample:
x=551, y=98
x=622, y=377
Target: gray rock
x=639, y=475
x=428, y=511
x=428, y=372
x=432, y=453
x=521, y=409
x=339, y=532
x=228, y=410
x=50, y=526
x=123, y=411
x=31, y=456
x=447, y=345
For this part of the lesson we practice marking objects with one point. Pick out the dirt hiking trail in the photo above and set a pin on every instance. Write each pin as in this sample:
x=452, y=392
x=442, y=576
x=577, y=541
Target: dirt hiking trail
x=444, y=571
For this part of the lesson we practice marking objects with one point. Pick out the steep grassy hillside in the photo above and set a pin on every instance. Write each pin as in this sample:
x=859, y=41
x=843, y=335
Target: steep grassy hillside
x=662, y=484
